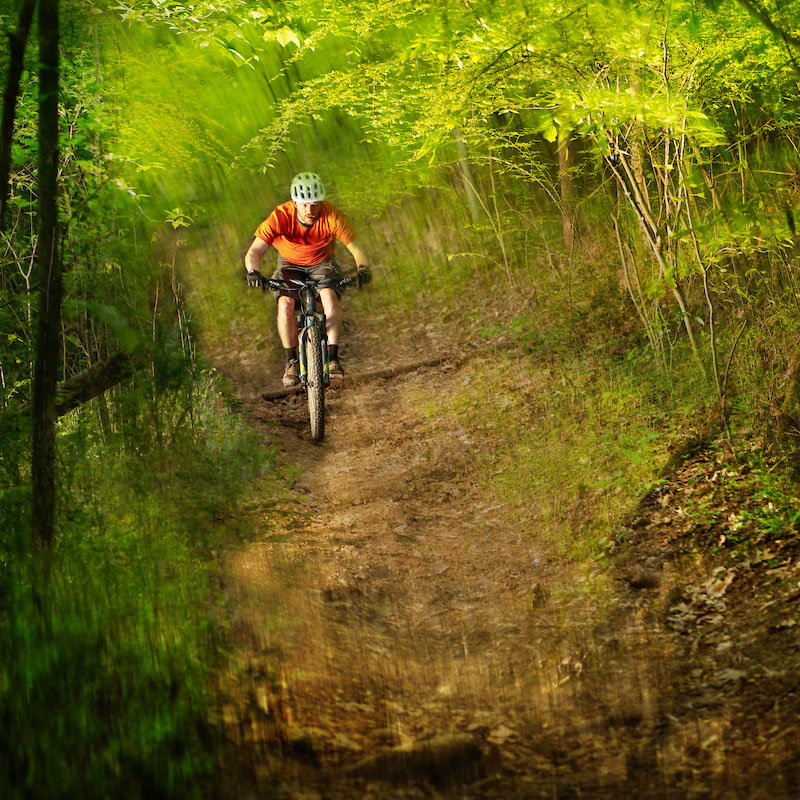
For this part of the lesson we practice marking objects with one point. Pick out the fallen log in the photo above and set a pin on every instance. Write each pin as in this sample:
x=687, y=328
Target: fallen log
x=364, y=377
x=81, y=388
x=94, y=381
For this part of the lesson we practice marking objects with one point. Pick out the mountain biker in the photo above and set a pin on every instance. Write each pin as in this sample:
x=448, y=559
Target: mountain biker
x=304, y=231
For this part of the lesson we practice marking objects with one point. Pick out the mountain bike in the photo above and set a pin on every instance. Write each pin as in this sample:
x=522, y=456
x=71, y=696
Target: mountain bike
x=315, y=373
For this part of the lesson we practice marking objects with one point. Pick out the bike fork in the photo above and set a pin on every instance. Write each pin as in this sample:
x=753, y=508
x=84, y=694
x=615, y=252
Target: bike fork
x=326, y=361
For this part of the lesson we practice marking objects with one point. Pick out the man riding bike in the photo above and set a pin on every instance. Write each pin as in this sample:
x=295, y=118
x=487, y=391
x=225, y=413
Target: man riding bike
x=304, y=231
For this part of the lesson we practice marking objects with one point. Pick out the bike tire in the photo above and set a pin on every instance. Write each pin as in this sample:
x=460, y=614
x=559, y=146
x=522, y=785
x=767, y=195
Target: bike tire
x=315, y=387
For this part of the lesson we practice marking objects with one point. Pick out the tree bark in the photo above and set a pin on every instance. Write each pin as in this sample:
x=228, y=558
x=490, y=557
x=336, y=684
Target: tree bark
x=16, y=46
x=467, y=175
x=637, y=146
x=567, y=192
x=43, y=450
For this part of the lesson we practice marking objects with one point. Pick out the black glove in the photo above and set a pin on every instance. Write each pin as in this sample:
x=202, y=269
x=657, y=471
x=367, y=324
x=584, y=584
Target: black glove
x=363, y=277
x=255, y=279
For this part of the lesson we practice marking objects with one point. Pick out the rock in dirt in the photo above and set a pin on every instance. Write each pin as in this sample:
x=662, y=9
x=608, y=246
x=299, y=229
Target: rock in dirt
x=642, y=578
x=439, y=760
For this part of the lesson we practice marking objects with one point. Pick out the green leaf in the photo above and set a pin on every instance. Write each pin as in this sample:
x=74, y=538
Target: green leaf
x=286, y=35
x=550, y=133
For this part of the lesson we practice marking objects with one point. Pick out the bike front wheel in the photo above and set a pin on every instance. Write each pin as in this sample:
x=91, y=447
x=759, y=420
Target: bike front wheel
x=315, y=387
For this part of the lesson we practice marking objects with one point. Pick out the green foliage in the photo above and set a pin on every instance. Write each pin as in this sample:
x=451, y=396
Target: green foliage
x=99, y=233
x=109, y=641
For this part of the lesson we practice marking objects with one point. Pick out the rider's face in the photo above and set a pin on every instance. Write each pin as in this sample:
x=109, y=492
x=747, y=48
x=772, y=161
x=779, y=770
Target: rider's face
x=308, y=213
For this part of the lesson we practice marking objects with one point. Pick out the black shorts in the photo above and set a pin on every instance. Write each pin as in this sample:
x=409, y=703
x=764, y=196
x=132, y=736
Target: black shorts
x=325, y=270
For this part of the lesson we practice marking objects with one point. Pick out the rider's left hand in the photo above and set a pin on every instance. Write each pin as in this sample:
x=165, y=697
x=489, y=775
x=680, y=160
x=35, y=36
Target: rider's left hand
x=363, y=277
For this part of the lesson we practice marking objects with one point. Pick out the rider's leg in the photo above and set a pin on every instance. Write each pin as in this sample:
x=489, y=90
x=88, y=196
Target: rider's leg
x=330, y=304
x=287, y=330
x=287, y=327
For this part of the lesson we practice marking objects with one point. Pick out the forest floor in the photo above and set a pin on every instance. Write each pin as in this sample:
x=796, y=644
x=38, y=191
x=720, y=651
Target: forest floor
x=399, y=633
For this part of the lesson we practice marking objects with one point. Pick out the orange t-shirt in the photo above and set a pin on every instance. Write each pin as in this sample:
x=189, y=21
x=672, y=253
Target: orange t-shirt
x=299, y=244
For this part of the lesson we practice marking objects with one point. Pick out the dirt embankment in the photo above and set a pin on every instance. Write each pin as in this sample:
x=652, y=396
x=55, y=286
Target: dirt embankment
x=399, y=635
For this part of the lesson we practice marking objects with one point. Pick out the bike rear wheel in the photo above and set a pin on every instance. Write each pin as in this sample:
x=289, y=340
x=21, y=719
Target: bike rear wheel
x=315, y=387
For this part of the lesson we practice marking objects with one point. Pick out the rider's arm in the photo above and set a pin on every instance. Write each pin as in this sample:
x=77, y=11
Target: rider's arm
x=359, y=256
x=253, y=257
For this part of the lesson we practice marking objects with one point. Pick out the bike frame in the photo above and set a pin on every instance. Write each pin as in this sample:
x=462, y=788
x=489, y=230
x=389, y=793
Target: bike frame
x=308, y=316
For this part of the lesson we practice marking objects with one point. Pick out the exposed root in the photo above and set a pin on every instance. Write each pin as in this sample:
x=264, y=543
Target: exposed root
x=363, y=377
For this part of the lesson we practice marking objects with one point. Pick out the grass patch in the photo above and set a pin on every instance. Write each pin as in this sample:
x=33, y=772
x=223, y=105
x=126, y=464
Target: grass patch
x=568, y=446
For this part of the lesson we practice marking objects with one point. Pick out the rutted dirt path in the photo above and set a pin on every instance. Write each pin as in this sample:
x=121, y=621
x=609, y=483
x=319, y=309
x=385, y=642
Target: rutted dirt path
x=400, y=636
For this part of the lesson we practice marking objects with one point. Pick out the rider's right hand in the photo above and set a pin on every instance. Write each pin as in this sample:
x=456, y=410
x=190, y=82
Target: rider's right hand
x=255, y=279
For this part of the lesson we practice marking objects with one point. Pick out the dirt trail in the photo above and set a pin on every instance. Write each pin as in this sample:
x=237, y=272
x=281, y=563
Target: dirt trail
x=400, y=637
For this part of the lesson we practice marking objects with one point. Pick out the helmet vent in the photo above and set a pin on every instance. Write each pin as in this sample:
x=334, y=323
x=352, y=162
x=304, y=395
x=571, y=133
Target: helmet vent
x=307, y=187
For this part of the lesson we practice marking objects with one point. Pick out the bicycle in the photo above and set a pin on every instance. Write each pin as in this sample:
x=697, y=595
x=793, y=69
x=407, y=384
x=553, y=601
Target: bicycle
x=315, y=374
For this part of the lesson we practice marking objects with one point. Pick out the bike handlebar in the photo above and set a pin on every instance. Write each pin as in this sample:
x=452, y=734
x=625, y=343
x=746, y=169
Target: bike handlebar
x=294, y=283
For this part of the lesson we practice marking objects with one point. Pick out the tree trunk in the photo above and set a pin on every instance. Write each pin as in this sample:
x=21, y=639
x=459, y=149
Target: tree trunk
x=16, y=47
x=567, y=191
x=467, y=176
x=43, y=451
x=638, y=148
